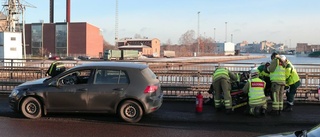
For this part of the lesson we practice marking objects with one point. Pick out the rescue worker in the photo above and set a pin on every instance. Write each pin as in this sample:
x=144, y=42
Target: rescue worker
x=292, y=83
x=264, y=74
x=278, y=82
x=221, y=82
x=255, y=90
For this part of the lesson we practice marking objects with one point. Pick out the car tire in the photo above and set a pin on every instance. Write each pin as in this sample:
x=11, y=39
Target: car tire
x=31, y=108
x=130, y=111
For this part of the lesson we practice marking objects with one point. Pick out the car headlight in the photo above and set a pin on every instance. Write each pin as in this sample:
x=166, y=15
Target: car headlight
x=14, y=92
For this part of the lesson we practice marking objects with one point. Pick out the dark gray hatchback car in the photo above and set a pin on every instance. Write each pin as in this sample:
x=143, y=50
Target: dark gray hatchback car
x=129, y=90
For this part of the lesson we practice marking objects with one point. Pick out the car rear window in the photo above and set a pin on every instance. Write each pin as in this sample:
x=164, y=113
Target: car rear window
x=147, y=72
x=104, y=76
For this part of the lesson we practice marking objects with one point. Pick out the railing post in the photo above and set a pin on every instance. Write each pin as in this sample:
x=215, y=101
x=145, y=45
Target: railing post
x=11, y=68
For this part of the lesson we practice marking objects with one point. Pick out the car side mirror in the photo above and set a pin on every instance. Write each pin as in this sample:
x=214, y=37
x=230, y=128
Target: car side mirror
x=53, y=84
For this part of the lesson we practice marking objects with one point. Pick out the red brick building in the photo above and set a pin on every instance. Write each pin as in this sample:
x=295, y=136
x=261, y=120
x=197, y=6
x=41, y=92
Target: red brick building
x=63, y=39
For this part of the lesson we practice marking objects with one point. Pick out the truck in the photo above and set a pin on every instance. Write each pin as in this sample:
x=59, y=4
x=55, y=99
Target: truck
x=169, y=54
x=116, y=54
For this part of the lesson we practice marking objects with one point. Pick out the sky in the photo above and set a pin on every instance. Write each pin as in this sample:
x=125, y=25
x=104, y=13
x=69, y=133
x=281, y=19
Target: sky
x=279, y=21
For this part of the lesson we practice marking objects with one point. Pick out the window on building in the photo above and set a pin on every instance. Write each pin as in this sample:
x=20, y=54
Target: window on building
x=61, y=44
x=36, y=39
x=13, y=38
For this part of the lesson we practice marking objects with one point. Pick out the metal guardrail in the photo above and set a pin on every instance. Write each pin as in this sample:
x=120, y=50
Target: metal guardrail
x=181, y=80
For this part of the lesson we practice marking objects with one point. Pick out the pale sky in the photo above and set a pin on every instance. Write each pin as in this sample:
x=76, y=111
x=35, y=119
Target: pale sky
x=280, y=21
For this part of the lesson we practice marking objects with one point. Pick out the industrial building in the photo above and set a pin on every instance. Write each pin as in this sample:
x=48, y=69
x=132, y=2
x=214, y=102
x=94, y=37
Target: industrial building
x=63, y=39
x=146, y=47
x=227, y=48
x=53, y=38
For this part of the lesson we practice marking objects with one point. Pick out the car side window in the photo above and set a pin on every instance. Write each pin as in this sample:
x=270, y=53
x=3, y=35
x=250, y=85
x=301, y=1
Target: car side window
x=104, y=76
x=75, y=77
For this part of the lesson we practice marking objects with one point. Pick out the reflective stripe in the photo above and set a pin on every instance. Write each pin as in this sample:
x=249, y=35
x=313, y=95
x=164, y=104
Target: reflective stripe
x=256, y=91
x=220, y=72
x=279, y=74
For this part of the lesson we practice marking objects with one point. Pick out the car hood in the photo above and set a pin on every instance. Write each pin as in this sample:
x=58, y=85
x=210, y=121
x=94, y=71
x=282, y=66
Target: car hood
x=33, y=82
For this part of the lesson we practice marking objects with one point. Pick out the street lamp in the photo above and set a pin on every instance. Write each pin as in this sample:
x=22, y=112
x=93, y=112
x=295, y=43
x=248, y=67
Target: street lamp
x=226, y=31
x=198, y=32
x=214, y=34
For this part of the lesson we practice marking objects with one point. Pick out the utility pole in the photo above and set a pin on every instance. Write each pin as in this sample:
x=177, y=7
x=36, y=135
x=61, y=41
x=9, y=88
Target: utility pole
x=214, y=34
x=231, y=37
x=198, y=33
x=226, y=32
x=116, y=26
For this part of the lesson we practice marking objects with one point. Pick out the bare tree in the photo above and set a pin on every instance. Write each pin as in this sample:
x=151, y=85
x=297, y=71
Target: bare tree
x=187, y=38
x=107, y=45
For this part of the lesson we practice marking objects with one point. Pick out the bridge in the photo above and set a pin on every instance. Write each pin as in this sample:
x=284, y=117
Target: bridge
x=181, y=78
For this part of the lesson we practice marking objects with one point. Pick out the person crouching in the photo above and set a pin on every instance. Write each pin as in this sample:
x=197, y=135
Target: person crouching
x=255, y=90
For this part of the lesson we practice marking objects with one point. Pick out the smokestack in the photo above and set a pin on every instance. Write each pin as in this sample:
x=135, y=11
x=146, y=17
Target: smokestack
x=68, y=11
x=51, y=11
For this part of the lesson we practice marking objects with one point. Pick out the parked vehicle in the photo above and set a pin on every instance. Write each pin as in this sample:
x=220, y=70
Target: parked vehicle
x=71, y=58
x=121, y=54
x=127, y=89
x=314, y=132
x=54, y=58
x=84, y=57
x=169, y=54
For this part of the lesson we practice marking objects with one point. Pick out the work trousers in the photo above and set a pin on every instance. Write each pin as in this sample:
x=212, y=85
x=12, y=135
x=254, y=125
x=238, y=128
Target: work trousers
x=292, y=92
x=222, y=86
x=277, y=95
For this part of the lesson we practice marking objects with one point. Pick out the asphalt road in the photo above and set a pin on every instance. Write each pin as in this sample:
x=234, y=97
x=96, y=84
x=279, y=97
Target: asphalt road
x=174, y=118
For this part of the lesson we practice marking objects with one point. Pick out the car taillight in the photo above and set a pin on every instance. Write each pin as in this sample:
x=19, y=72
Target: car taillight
x=150, y=89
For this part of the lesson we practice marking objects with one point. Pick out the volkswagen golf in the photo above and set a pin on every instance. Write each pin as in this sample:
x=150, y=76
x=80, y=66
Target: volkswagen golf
x=129, y=90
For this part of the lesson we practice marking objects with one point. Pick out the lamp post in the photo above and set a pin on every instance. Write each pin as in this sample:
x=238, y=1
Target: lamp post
x=214, y=34
x=198, y=33
x=226, y=31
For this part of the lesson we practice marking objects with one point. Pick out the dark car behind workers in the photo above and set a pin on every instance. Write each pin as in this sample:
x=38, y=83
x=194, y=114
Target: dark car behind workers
x=129, y=90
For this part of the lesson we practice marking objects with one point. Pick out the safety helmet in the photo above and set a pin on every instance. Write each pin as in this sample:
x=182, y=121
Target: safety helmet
x=283, y=57
x=254, y=72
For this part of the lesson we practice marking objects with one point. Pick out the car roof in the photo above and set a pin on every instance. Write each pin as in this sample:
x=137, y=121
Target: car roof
x=114, y=64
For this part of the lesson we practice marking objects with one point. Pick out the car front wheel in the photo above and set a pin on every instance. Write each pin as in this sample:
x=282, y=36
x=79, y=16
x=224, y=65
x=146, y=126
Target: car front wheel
x=130, y=111
x=31, y=108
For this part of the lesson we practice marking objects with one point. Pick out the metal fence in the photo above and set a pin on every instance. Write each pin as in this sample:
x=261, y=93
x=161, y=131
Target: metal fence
x=182, y=80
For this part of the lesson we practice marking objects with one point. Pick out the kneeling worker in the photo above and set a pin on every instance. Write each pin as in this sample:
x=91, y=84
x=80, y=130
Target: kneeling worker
x=255, y=89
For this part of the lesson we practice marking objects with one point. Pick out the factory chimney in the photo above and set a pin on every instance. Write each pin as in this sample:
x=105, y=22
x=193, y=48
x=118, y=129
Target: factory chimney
x=51, y=11
x=68, y=11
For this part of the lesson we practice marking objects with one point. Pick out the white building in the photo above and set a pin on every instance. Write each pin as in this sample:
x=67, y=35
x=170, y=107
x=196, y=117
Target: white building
x=227, y=48
x=10, y=46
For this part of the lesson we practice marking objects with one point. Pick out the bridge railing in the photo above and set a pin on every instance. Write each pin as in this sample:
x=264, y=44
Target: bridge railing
x=178, y=79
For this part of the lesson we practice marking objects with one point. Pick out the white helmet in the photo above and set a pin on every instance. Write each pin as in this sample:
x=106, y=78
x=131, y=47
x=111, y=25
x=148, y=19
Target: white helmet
x=254, y=72
x=283, y=57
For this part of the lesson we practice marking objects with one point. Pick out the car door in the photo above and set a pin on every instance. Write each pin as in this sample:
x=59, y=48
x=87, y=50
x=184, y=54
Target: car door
x=70, y=95
x=108, y=88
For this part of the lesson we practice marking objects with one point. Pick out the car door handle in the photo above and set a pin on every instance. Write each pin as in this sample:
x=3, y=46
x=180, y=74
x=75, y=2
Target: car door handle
x=83, y=89
x=118, y=89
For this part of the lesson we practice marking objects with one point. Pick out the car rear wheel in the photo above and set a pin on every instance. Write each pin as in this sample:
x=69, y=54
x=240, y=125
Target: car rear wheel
x=31, y=108
x=130, y=111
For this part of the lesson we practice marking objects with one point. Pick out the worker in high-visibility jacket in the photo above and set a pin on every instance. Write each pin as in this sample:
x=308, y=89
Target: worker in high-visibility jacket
x=221, y=83
x=255, y=89
x=278, y=81
x=292, y=83
x=264, y=74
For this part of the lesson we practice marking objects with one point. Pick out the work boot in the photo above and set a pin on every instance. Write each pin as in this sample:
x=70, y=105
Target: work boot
x=274, y=112
x=218, y=109
x=263, y=112
x=229, y=111
x=288, y=108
